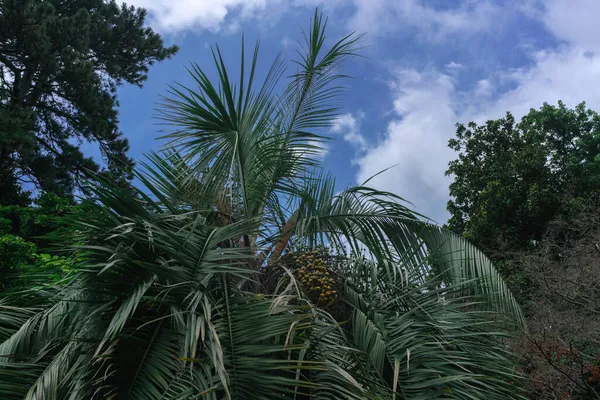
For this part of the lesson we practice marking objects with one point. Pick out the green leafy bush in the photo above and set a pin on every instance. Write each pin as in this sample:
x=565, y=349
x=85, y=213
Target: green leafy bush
x=15, y=254
x=5, y=226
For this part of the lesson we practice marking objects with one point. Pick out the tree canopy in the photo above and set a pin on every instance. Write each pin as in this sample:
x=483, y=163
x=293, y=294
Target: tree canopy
x=511, y=179
x=60, y=65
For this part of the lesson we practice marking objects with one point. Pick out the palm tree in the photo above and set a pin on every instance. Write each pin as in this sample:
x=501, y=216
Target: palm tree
x=238, y=272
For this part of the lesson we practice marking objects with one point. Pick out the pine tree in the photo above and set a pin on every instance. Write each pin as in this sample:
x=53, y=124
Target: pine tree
x=60, y=65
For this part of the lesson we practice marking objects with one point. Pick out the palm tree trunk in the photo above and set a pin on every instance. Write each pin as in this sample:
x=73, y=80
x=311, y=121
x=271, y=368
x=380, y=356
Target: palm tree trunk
x=280, y=245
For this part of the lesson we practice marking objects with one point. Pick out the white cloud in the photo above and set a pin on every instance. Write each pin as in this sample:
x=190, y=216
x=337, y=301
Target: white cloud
x=428, y=104
x=325, y=5
x=170, y=16
x=570, y=72
x=571, y=75
x=574, y=21
x=372, y=16
x=286, y=42
x=179, y=15
x=348, y=126
x=484, y=88
x=416, y=140
x=386, y=16
x=454, y=66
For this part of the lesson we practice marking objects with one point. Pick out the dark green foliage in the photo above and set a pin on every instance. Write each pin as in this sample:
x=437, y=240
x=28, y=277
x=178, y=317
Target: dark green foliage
x=15, y=255
x=5, y=226
x=25, y=231
x=511, y=179
x=11, y=191
x=35, y=222
x=527, y=193
x=60, y=65
x=20, y=263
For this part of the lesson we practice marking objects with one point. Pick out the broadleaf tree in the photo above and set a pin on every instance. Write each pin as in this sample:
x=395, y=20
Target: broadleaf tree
x=60, y=65
x=512, y=178
x=237, y=271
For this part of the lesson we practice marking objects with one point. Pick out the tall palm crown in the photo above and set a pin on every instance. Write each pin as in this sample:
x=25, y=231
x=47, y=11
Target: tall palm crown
x=238, y=272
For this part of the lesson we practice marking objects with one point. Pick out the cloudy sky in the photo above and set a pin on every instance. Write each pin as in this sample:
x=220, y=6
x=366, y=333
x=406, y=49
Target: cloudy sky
x=428, y=64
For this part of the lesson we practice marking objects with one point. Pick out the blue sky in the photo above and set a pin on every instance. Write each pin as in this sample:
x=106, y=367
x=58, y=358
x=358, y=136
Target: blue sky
x=428, y=64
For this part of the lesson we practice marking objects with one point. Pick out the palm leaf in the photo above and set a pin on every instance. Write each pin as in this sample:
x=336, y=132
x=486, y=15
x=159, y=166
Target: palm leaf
x=376, y=222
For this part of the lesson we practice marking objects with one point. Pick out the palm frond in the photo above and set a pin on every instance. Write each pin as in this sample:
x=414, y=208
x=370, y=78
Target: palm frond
x=377, y=222
x=257, y=139
x=430, y=343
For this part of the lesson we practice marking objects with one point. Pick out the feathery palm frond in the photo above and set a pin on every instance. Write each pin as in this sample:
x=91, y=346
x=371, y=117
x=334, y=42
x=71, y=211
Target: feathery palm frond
x=365, y=219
